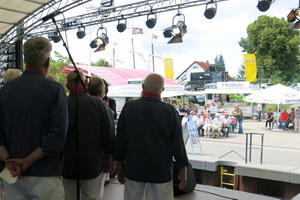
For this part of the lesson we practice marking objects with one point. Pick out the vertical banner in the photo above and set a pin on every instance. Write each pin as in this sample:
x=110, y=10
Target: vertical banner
x=169, y=68
x=250, y=67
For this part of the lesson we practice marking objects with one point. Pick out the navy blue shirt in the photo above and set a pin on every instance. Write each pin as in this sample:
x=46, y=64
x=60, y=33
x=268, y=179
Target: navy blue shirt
x=33, y=113
x=149, y=135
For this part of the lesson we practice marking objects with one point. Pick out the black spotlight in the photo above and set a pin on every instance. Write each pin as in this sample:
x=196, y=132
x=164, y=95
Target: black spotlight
x=121, y=27
x=151, y=22
x=81, y=32
x=175, y=32
x=100, y=41
x=54, y=37
x=210, y=13
x=264, y=5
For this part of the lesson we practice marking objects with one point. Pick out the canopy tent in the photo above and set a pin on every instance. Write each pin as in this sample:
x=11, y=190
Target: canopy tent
x=127, y=82
x=276, y=94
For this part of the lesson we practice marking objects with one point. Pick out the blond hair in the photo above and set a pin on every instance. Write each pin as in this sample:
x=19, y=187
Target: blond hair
x=11, y=74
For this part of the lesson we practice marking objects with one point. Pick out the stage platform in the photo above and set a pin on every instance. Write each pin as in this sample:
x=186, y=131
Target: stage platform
x=114, y=191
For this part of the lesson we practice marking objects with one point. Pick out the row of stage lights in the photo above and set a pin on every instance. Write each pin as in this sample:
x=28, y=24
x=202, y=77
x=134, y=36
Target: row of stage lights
x=175, y=32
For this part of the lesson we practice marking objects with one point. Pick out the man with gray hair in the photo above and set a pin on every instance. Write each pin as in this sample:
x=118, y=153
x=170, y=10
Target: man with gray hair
x=149, y=135
x=95, y=136
x=33, y=126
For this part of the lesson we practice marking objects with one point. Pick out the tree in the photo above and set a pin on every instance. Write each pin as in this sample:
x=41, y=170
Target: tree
x=220, y=63
x=276, y=47
x=57, y=67
x=101, y=62
x=241, y=75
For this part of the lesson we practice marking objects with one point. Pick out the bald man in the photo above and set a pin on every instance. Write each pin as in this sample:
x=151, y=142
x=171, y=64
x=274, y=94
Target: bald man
x=95, y=137
x=149, y=135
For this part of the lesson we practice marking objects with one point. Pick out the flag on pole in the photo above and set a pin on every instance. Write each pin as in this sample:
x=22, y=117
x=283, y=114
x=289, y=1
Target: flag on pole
x=137, y=30
x=169, y=68
x=250, y=67
x=154, y=36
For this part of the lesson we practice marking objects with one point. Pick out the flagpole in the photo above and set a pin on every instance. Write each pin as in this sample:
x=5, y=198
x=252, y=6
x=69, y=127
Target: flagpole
x=114, y=59
x=152, y=56
x=133, y=53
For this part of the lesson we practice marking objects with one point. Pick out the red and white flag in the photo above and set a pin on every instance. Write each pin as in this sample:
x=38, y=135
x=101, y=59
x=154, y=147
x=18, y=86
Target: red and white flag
x=137, y=30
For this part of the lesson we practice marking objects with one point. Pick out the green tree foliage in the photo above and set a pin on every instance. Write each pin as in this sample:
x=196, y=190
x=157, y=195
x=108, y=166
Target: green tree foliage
x=101, y=62
x=220, y=63
x=57, y=66
x=276, y=47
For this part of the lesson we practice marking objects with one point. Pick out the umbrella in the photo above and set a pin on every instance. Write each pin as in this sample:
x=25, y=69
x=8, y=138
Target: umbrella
x=276, y=94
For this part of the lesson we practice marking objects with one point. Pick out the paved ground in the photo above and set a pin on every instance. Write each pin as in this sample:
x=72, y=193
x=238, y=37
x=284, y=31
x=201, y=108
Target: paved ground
x=280, y=148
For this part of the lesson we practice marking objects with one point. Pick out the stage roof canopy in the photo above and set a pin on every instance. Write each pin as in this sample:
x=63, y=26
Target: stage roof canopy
x=13, y=11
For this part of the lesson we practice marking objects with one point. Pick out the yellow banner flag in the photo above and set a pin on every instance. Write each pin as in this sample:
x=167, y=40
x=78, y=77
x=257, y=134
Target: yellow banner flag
x=169, y=68
x=250, y=67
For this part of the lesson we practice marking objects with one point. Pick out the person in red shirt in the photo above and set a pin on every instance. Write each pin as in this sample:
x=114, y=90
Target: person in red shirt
x=284, y=116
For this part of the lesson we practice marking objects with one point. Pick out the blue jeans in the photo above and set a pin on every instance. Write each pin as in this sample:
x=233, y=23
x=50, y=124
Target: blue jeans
x=240, y=125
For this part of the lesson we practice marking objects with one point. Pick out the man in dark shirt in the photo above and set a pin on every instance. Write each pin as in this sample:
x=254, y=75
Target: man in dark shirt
x=95, y=141
x=33, y=126
x=149, y=135
x=109, y=101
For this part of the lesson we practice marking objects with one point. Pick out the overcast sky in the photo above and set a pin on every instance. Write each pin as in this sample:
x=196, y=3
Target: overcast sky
x=204, y=40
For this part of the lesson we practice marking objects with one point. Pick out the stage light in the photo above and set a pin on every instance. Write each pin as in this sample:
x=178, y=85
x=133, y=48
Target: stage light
x=264, y=5
x=100, y=41
x=151, y=22
x=210, y=12
x=176, y=32
x=121, y=27
x=81, y=32
x=54, y=37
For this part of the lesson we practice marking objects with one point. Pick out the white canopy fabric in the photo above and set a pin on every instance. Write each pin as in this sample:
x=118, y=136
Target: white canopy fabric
x=276, y=94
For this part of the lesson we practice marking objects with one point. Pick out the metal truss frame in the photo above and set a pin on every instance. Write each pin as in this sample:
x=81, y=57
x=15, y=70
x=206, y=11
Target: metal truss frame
x=33, y=24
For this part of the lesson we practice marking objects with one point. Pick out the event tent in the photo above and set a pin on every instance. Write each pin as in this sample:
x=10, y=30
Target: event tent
x=276, y=94
x=127, y=82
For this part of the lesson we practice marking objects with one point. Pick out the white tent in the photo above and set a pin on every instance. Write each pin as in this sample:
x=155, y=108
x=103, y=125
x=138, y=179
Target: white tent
x=276, y=94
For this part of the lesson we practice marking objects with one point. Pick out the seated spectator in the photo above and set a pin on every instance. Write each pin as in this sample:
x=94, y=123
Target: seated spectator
x=290, y=120
x=270, y=116
x=226, y=124
x=200, y=123
x=216, y=126
x=284, y=116
x=233, y=124
x=207, y=125
x=276, y=116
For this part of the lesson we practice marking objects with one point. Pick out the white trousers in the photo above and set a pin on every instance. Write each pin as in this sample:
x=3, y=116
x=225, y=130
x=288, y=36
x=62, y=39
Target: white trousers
x=35, y=188
x=91, y=189
x=148, y=191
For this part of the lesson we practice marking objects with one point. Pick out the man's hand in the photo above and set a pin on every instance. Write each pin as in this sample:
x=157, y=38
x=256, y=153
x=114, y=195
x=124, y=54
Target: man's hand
x=18, y=165
x=15, y=170
x=182, y=177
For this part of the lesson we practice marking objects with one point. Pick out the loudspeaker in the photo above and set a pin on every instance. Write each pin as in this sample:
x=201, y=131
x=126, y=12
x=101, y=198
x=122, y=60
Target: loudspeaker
x=191, y=180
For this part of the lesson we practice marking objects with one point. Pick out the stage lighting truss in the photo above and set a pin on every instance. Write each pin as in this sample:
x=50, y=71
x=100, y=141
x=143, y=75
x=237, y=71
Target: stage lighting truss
x=176, y=31
x=100, y=41
x=81, y=32
x=121, y=27
x=151, y=22
x=54, y=37
x=210, y=10
x=264, y=5
x=293, y=16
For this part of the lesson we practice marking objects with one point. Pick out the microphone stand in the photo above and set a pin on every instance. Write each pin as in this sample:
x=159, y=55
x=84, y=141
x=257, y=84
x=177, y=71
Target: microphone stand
x=77, y=79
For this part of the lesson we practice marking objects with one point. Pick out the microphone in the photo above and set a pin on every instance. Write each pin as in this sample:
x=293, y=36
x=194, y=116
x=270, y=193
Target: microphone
x=51, y=15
